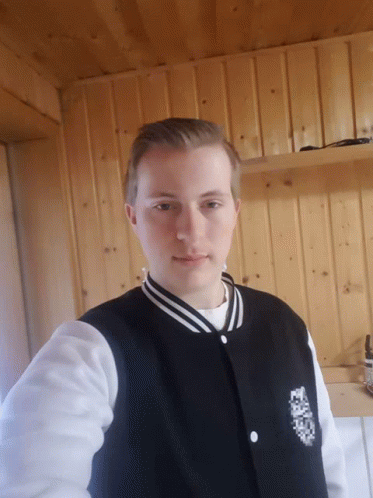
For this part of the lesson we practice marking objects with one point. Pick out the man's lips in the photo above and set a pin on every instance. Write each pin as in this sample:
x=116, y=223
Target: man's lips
x=191, y=260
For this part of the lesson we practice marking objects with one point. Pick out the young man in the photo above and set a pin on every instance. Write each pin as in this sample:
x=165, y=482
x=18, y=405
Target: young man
x=188, y=386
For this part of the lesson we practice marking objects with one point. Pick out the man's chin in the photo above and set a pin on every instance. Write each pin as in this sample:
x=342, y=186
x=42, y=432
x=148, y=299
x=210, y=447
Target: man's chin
x=195, y=279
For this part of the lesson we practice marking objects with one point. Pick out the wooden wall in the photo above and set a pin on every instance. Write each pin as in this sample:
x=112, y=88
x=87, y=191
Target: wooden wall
x=43, y=237
x=30, y=105
x=304, y=234
x=13, y=337
x=24, y=83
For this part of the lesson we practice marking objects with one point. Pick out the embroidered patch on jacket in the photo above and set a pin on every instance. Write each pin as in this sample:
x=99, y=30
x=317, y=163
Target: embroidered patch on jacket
x=303, y=422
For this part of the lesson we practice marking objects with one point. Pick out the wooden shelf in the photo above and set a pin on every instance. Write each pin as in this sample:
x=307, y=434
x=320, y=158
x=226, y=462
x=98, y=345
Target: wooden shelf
x=308, y=158
x=350, y=400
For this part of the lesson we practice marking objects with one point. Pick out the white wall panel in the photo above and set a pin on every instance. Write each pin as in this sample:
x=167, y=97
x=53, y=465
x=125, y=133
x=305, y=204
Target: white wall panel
x=350, y=430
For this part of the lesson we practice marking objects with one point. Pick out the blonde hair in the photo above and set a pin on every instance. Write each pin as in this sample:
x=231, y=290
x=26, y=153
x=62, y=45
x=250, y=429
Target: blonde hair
x=178, y=133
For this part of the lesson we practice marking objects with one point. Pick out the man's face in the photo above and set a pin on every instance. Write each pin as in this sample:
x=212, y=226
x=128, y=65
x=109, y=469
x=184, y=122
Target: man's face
x=184, y=216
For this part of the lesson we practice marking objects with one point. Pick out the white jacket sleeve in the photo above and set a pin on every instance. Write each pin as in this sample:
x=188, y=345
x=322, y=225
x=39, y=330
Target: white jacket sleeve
x=53, y=420
x=332, y=451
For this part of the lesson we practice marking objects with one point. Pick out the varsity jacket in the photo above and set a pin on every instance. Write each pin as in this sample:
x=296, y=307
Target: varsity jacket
x=206, y=414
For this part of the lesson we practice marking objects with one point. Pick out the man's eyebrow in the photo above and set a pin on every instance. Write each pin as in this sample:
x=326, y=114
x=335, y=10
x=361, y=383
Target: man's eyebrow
x=217, y=193
x=156, y=195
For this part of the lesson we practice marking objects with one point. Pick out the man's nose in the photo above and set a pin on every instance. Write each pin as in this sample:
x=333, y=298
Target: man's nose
x=189, y=224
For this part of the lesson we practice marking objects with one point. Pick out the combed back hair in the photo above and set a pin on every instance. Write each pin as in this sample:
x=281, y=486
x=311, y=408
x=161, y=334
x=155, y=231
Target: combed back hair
x=182, y=134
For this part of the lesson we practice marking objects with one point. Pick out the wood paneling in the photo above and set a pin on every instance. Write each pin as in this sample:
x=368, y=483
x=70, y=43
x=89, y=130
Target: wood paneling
x=286, y=240
x=84, y=196
x=336, y=93
x=110, y=202
x=362, y=74
x=27, y=85
x=305, y=104
x=243, y=104
x=154, y=96
x=312, y=222
x=272, y=87
x=183, y=92
x=13, y=338
x=42, y=230
x=348, y=243
x=304, y=232
x=18, y=121
x=256, y=235
x=211, y=92
x=365, y=178
x=319, y=263
x=129, y=118
x=71, y=40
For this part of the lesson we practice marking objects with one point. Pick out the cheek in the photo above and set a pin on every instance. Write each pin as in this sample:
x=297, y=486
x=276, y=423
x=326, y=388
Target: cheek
x=155, y=230
x=224, y=227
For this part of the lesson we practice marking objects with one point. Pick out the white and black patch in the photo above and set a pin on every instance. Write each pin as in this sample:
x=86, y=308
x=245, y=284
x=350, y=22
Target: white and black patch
x=302, y=418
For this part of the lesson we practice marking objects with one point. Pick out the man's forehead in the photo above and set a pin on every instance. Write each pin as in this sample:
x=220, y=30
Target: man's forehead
x=164, y=172
x=168, y=154
x=156, y=194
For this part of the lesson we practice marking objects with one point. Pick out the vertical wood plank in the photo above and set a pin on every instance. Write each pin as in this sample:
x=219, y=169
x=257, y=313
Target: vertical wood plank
x=91, y=261
x=211, y=94
x=154, y=96
x=256, y=237
x=346, y=220
x=42, y=229
x=304, y=100
x=286, y=240
x=13, y=338
x=128, y=118
x=272, y=100
x=183, y=92
x=244, y=111
x=69, y=208
x=319, y=264
x=365, y=177
x=234, y=259
x=362, y=73
x=337, y=112
x=114, y=243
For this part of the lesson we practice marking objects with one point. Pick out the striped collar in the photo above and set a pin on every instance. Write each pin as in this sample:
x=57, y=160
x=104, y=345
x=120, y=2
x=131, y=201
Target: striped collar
x=189, y=316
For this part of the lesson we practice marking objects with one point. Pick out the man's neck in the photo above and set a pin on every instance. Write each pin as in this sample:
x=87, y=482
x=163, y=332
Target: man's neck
x=208, y=298
x=203, y=300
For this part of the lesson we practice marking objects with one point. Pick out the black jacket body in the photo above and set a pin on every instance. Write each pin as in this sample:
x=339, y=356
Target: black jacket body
x=199, y=418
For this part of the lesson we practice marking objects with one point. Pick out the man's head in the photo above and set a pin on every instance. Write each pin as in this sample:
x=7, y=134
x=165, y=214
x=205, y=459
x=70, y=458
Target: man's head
x=180, y=203
x=183, y=134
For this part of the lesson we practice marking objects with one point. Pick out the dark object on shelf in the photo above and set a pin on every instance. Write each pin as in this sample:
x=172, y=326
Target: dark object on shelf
x=368, y=349
x=341, y=143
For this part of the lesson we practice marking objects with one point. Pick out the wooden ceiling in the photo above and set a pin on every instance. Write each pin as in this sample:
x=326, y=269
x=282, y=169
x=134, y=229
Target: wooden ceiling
x=68, y=40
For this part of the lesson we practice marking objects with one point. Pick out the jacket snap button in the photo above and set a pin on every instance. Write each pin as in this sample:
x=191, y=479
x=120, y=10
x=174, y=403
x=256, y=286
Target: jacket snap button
x=224, y=340
x=254, y=437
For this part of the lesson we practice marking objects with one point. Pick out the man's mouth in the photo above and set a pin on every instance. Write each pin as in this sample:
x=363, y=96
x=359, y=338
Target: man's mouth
x=191, y=260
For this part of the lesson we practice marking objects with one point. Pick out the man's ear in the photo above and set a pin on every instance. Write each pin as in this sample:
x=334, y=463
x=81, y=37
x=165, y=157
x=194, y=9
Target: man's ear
x=131, y=215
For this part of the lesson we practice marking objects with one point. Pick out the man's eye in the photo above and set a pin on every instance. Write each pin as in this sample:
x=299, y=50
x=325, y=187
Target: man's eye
x=213, y=204
x=164, y=206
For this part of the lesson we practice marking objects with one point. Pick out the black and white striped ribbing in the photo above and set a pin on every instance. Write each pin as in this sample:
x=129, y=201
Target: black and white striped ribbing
x=186, y=314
